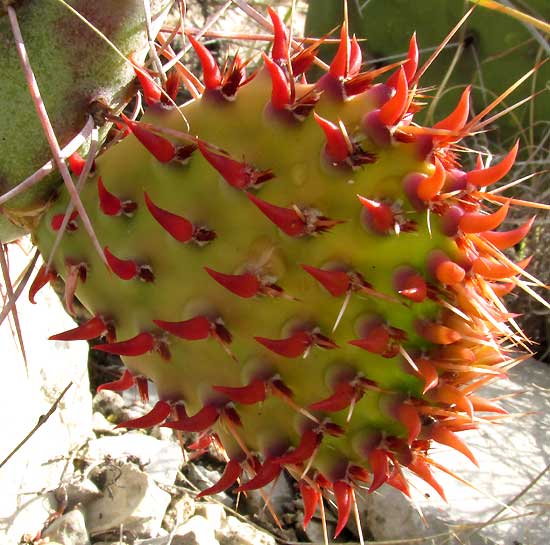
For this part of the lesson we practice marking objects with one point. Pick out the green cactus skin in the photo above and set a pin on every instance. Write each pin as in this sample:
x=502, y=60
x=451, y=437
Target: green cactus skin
x=70, y=80
x=502, y=46
x=252, y=359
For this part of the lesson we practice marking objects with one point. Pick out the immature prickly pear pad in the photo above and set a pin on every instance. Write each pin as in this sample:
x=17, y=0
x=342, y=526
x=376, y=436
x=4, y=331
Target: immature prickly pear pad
x=308, y=276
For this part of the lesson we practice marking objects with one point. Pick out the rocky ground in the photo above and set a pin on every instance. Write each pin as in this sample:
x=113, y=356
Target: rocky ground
x=80, y=481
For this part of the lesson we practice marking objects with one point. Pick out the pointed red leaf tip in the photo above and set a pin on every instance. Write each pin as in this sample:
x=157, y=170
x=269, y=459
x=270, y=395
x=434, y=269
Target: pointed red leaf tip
x=484, y=405
x=72, y=224
x=244, y=285
x=428, y=373
x=200, y=421
x=344, y=496
x=377, y=341
x=159, y=413
x=355, y=57
x=151, y=89
x=125, y=269
x=392, y=111
x=286, y=219
x=449, y=395
x=253, y=392
x=339, y=66
x=486, y=176
x=458, y=117
x=125, y=382
x=136, y=346
x=337, y=146
x=177, y=226
x=268, y=472
x=445, y=436
x=337, y=283
x=309, y=442
x=344, y=394
x=436, y=333
x=229, y=476
x=475, y=222
x=506, y=239
x=410, y=284
x=240, y=175
x=408, y=416
x=210, y=70
x=422, y=469
x=379, y=464
x=291, y=347
x=279, y=50
x=43, y=276
x=310, y=497
x=280, y=93
x=93, y=328
x=77, y=162
x=430, y=186
x=379, y=216
x=194, y=329
x=160, y=148
x=410, y=65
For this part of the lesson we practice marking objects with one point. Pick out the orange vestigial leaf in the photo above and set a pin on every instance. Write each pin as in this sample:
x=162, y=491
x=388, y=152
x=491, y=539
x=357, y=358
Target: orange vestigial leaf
x=484, y=405
x=436, y=333
x=448, y=272
x=449, y=395
x=458, y=117
x=428, y=372
x=486, y=176
x=392, y=111
x=422, y=469
x=408, y=416
x=506, y=239
x=493, y=270
x=429, y=187
x=440, y=433
x=474, y=222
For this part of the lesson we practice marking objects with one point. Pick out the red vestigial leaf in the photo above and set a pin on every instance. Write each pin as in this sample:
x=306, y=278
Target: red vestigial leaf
x=302, y=61
x=57, y=221
x=193, y=329
x=43, y=276
x=412, y=59
x=408, y=416
x=339, y=65
x=151, y=90
x=440, y=433
x=311, y=497
x=429, y=187
x=171, y=86
x=200, y=421
x=210, y=70
x=286, y=219
x=392, y=111
x=355, y=58
x=202, y=443
x=474, y=222
x=411, y=285
x=230, y=474
x=280, y=93
x=93, y=328
x=398, y=480
x=506, y=239
x=343, y=395
x=337, y=146
x=162, y=149
x=267, y=473
x=291, y=347
x=159, y=413
x=379, y=463
x=279, y=50
x=486, y=176
x=380, y=218
x=125, y=382
x=304, y=451
x=343, y=495
x=457, y=119
x=110, y=204
x=76, y=163
x=422, y=469
x=254, y=392
x=136, y=346
x=177, y=226
x=143, y=388
x=377, y=340
x=125, y=269
x=337, y=283
x=244, y=285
